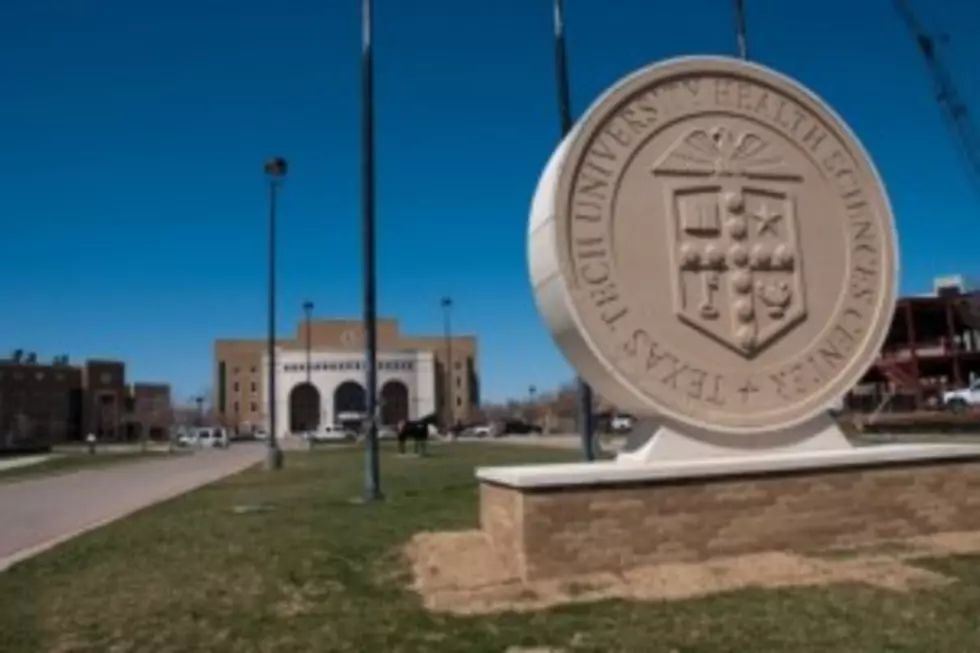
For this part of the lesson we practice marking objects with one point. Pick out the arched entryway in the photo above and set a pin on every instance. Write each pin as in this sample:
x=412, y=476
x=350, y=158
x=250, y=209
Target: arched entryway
x=304, y=408
x=349, y=397
x=394, y=403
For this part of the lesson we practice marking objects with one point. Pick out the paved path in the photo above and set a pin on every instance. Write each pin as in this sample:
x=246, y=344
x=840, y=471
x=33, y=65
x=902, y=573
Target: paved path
x=38, y=513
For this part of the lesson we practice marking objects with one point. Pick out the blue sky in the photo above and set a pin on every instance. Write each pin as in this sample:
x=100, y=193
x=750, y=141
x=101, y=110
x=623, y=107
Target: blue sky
x=133, y=136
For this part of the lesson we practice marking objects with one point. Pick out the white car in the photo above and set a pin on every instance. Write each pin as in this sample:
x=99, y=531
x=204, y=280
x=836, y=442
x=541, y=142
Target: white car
x=205, y=437
x=621, y=424
x=964, y=398
x=331, y=433
x=483, y=431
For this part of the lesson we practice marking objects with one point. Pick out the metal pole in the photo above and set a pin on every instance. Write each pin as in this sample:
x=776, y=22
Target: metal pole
x=586, y=419
x=308, y=310
x=275, y=169
x=372, y=464
x=447, y=331
x=743, y=48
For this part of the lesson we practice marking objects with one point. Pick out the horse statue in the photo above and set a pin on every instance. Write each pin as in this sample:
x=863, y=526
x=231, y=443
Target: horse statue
x=418, y=430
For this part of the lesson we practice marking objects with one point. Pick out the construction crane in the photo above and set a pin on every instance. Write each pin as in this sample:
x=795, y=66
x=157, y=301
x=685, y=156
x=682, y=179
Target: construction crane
x=954, y=110
x=960, y=126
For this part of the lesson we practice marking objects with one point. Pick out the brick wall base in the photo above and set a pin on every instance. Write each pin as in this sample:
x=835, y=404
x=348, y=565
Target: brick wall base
x=547, y=533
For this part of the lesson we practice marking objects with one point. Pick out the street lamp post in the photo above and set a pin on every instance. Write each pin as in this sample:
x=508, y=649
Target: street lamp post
x=200, y=410
x=741, y=38
x=532, y=392
x=275, y=170
x=586, y=420
x=372, y=465
x=308, y=313
x=447, y=308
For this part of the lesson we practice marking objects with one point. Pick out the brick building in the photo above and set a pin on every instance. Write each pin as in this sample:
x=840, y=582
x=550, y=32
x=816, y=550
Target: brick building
x=46, y=403
x=239, y=381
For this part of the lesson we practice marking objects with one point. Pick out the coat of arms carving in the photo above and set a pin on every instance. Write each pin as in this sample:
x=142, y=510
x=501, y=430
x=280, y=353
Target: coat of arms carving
x=735, y=250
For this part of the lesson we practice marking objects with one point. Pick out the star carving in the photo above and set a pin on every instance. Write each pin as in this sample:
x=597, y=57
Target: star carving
x=767, y=219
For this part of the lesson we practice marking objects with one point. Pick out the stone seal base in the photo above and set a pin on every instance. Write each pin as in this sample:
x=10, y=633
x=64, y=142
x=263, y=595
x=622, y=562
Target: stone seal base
x=553, y=521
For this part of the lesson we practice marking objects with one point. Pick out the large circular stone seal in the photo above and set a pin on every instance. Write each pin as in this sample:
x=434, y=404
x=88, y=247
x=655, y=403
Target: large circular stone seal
x=713, y=245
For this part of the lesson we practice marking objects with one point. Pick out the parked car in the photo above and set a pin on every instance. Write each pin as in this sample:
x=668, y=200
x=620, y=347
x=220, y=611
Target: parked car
x=204, y=437
x=518, y=427
x=621, y=423
x=331, y=433
x=482, y=431
x=964, y=398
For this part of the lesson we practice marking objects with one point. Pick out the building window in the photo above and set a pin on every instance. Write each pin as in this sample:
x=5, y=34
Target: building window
x=234, y=371
x=235, y=407
x=459, y=401
x=251, y=386
x=234, y=388
x=254, y=369
x=458, y=364
x=253, y=407
x=459, y=382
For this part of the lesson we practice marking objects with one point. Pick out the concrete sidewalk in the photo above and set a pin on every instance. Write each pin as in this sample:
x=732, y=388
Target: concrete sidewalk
x=39, y=513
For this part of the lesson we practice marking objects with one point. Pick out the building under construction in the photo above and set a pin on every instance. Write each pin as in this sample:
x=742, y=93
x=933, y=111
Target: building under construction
x=933, y=347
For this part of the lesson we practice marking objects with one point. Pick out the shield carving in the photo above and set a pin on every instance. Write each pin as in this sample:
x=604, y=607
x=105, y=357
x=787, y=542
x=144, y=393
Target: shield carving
x=735, y=255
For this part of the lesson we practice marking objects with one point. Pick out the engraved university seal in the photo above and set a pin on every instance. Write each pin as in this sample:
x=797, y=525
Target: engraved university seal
x=712, y=244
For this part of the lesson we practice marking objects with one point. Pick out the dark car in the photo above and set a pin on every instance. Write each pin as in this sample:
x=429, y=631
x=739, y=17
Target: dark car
x=518, y=427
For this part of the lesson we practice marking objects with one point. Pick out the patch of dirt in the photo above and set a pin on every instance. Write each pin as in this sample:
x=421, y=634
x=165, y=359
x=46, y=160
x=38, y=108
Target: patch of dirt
x=460, y=573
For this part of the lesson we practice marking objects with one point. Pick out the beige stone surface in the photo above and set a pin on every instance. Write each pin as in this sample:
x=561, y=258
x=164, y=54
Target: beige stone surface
x=537, y=549
x=712, y=244
x=558, y=532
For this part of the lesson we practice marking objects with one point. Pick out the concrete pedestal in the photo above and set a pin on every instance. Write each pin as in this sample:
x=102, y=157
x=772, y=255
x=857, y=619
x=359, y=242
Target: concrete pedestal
x=552, y=521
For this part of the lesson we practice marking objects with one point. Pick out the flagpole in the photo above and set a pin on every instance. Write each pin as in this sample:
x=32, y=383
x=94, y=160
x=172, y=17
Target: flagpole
x=372, y=471
x=586, y=419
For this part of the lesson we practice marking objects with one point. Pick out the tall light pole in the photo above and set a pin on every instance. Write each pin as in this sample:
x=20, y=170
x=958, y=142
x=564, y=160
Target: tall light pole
x=199, y=400
x=371, y=459
x=743, y=46
x=447, y=330
x=308, y=313
x=275, y=170
x=585, y=418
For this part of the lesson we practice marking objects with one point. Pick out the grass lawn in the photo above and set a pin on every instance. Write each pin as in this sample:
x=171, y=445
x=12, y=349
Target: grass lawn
x=315, y=573
x=61, y=463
